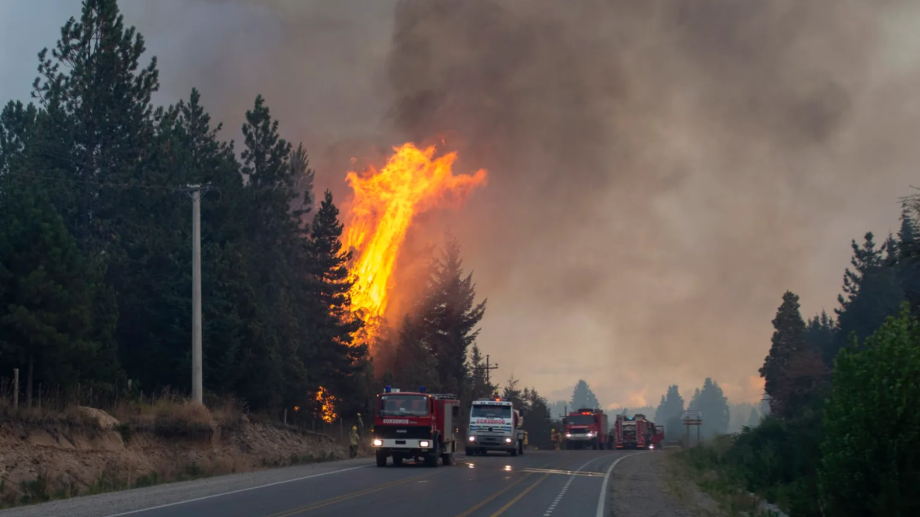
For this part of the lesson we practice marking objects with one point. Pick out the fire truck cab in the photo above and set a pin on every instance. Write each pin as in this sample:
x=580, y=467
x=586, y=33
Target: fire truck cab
x=415, y=425
x=586, y=428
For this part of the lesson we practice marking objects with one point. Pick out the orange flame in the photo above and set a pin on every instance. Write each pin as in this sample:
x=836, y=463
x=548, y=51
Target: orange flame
x=384, y=204
x=327, y=405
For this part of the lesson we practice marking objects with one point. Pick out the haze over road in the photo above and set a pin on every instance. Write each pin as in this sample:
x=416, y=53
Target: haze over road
x=540, y=483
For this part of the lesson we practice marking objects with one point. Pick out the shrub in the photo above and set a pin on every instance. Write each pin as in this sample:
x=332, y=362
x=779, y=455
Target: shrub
x=871, y=463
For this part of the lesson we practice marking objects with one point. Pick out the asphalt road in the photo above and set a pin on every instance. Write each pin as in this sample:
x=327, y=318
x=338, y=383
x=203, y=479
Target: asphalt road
x=547, y=483
x=540, y=483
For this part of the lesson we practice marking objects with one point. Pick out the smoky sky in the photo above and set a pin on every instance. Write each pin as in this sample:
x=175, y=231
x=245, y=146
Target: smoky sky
x=660, y=172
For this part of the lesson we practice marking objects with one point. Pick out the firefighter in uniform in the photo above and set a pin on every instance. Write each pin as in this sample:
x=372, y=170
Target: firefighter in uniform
x=526, y=436
x=353, y=450
x=554, y=436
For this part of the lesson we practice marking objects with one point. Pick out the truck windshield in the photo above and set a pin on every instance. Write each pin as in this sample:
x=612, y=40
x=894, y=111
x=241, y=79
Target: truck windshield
x=581, y=420
x=403, y=405
x=491, y=412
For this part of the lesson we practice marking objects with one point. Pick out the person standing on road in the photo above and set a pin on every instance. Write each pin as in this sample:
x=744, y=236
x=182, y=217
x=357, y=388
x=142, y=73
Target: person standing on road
x=554, y=436
x=353, y=450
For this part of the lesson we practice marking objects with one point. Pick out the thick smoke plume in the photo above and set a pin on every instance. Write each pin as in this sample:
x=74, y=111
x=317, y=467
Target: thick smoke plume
x=661, y=171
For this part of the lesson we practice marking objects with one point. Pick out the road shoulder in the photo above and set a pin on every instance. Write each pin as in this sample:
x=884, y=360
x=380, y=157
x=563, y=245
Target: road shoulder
x=652, y=483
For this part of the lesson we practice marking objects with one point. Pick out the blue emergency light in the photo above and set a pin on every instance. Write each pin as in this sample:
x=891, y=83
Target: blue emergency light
x=421, y=389
x=387, y=389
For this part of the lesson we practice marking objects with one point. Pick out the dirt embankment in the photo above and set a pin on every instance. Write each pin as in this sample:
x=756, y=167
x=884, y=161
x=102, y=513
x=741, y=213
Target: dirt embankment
x=86, y=451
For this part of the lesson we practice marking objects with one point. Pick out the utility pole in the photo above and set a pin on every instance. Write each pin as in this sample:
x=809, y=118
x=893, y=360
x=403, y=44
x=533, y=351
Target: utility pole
x=487, y=369
x=195, y=191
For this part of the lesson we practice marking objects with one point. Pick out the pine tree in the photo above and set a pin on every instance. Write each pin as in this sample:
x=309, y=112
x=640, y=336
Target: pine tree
x=670, y=409
x=56, y=314
x=415, y=364
x=788, y=340
x=821, y=336
x=333, y=355
x=512, y=393
x=908, y=259
x=714, y=407
x=583, y=397
x=871, y=288
x=96, y=121
x=450, y=316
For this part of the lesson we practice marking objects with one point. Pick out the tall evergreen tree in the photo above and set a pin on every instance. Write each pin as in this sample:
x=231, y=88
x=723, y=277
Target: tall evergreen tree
x=451, y=316
x=670, y=410
x=871, y=290
x=788, y=341
x=96, y=122
x=415, y=363
x=583, y=397
x=56, y=313
x=821, y=336
x=908, y=258
x=714, y=407
x=334, y=356
x=512, y=393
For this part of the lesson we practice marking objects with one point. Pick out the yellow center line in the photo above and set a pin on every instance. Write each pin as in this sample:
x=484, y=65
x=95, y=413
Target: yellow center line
x=519, y=496
x=489, y=499
x=492, y=497
x=345, y=497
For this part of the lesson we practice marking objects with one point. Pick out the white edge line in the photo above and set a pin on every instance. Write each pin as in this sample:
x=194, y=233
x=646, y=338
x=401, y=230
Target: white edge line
x=235, y=491
x=603, y=497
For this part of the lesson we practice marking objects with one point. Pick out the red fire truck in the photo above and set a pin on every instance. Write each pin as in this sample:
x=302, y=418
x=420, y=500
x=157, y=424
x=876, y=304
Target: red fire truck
x=633, y=432
x=586, y=428
x=658, y=438
x=415, y=425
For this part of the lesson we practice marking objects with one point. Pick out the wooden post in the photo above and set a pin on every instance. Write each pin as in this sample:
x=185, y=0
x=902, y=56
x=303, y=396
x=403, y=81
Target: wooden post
x=15, y=388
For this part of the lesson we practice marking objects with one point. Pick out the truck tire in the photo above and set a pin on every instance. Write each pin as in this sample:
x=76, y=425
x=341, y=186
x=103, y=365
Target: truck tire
x=514, y=451
x=431, y=460
x=521, y=448
x=447, y=459
x=381, y=459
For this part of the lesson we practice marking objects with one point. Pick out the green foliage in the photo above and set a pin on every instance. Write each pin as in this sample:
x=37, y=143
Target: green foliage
x=91, y=216
x=49, y=292
x=450, y=316
x=583, y=397
x=871, y=463
x=871, y=290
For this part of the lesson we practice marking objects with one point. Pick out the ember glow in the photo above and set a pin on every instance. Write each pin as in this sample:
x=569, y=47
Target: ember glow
x=326, y=404
x=384, y=204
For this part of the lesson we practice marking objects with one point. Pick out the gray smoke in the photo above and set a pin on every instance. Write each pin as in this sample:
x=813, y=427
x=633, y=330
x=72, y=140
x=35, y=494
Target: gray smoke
x=660, y=171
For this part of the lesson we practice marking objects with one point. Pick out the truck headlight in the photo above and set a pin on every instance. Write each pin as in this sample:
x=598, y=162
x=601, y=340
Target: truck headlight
x=378, y=442
x=507, y=440
x=568, y=435
x=424, y=443
x=590, y=435
x=472, y=438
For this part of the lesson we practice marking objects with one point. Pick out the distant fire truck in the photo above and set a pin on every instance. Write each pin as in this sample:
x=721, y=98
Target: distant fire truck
x=587, y=428
x=657, y=440
x=634, y=432
x=495, y=425
x=415, y=425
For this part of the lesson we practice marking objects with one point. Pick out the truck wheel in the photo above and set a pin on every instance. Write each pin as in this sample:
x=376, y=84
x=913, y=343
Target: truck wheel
x=432, y=459
x=447, y=458
x=381, y=459
x=521, y=448
x=514, y=451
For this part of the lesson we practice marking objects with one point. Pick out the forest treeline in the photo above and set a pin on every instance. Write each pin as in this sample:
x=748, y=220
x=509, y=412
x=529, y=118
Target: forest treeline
x=96, y=247
x=842, y=434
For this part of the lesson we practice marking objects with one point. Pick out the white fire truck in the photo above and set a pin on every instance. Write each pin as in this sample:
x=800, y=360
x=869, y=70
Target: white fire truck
x=495, y=425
